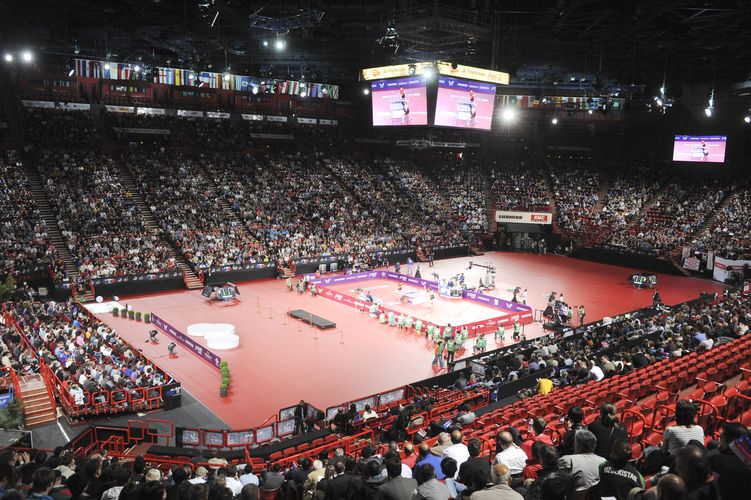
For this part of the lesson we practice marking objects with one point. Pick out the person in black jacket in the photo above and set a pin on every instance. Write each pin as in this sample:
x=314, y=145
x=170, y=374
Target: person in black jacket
x=573, y=423
x=474, y=462
x=617, y=476
x=607, y=430
x=301, y=414
x=734, y=475
x=343, y=486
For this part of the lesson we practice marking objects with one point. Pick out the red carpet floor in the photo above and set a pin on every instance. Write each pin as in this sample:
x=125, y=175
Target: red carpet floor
x=280, y=360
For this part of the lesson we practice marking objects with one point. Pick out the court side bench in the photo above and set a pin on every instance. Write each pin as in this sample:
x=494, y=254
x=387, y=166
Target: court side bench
x=312, y=319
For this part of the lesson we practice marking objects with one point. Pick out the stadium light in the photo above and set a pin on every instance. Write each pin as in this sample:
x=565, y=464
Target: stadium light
x=107, y=66
x=70, y=73
x=8, y=57
x=554, y=121
x=137, y=68
x=366, y=91
x=508, y=114
x=190, y=76
x=279, y=44
x=429, y=73
x=747, y=119
x=303, y=93
x=226, y=77
x=710, y=108
x=255, y=89
x=265, y=43
x=27, y=56
x=590, y=111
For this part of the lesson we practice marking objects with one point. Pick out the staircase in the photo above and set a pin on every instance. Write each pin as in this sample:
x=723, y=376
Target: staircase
x=53, y=231
x=138, y=450
x=603, y=193
x=38, y=406
x=709, y=222
x=192, y=281
x=288, y=272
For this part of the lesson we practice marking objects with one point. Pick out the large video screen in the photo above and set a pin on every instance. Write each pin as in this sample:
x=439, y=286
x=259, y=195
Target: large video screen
x=399, y=102
x=700, y=148
x=464, y=103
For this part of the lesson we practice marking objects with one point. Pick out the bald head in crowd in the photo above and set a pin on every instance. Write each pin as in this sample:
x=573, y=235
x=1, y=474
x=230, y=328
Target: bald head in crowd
x=500, y=474
x=671, y=487
x=505, y=439
x=456, y=437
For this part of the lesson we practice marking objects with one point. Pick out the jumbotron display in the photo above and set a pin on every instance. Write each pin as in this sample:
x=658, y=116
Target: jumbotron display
x=703, y=149
x=400, y=102
x=464, y=103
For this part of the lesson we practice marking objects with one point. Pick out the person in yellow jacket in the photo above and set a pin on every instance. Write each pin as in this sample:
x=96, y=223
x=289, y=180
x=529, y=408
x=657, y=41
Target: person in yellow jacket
x=544, y=386
x=438, y=359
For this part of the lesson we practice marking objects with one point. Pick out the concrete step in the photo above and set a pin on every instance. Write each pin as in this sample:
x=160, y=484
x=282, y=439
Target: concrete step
x=36, y=421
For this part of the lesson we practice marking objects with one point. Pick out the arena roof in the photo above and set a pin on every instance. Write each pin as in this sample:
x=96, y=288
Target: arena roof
x=633, y=41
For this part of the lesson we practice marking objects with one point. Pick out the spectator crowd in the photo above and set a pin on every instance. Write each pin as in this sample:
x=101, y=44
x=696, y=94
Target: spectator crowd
x=85, y=355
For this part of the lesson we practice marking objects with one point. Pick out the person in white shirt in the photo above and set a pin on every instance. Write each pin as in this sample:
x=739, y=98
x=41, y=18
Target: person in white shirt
x=201, y=474
x=232, y=482
x=368, y=413
x=248, y=477
x=458, y=450
x=510, y=455
x=595, y=372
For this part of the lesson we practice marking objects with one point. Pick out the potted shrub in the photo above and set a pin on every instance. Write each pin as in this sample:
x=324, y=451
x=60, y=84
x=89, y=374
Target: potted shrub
x=115, y=311
x=147, y=317
x=131, y=314
x=138, y=315
x=223, y=390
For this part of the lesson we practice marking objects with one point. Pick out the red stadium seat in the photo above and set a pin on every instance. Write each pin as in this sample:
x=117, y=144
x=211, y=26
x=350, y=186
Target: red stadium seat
x=269, y=494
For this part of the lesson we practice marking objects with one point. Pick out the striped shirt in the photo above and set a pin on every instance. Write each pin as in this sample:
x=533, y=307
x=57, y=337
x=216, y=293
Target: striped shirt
x=678, y=436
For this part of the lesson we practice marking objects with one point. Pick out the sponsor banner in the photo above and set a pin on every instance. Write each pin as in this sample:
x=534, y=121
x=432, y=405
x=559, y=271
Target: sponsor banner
x=346, y=278
x=73, y=106
x=143, y=131
x=496, y=302
x=256, y=118
x=37, y=104
x=507, y=216
x=307, y=121
x=217, y=114
x=186, y=341
x=281, y=137
x=120, y=109
x=691, y=263
x=137, y=277
x=150, y=111
x=395, y=71
x=324, y=121
x=472, y=73
x=409, y=279
x=723, y=267
x=272, y=118
x=488, y=325
x=190, y=112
